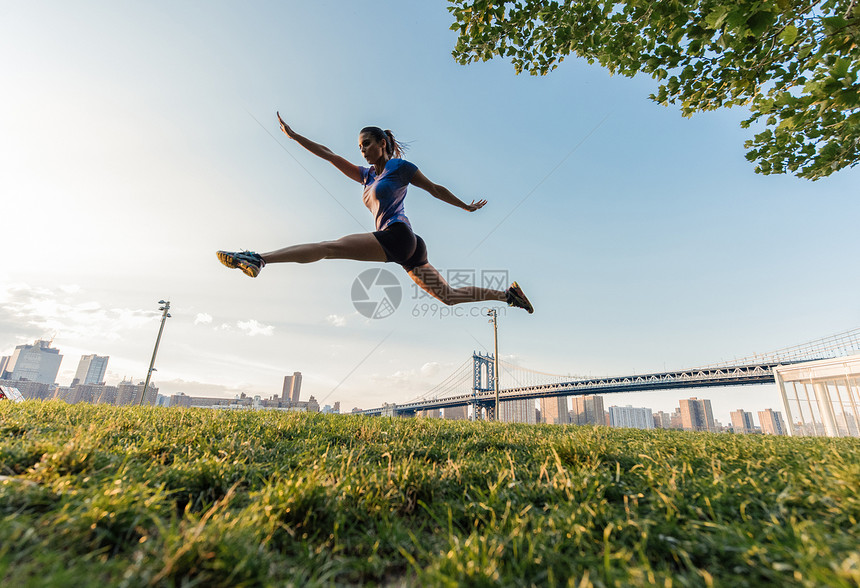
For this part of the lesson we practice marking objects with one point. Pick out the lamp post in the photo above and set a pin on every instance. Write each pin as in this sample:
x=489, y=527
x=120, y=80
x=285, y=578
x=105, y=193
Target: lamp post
x=494, y=318
x=164, y=316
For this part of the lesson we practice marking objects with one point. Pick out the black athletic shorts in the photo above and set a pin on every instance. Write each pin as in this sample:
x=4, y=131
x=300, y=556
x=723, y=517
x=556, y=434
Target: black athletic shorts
x=402, y=246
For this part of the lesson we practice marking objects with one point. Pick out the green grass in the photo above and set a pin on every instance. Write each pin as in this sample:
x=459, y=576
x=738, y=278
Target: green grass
x=105, y=496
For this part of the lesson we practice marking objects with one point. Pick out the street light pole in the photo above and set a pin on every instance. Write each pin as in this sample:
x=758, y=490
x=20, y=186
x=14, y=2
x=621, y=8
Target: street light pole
x=494, y=318
x=164, y=316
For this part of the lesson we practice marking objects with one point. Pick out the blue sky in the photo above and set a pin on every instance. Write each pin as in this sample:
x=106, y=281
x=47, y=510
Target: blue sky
x=130, y=151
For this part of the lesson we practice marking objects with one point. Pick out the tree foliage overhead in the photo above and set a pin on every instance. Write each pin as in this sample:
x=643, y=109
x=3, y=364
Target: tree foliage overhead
x=794, y=63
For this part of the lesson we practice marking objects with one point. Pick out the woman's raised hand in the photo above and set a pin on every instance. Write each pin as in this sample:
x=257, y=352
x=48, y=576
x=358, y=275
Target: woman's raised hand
x=475, y=205
x=284, y=126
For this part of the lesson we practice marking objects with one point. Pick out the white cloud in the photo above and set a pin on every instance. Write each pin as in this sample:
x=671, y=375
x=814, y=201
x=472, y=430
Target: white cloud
x=203, y=319
x=430, y=369
x=60, y=313
x=252, y=327
x=336, y=320
x=412, y=382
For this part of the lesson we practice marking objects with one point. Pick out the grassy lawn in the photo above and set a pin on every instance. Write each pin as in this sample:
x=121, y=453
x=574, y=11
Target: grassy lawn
x=106, y=496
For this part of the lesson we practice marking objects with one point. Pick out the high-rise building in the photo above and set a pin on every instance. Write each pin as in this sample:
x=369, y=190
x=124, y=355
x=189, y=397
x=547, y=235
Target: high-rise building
x=89, y=393
x=696, y=415
x=587, y=410
x=38, y=362
x=554, y=410
x=662, y=420
x=128, y=394
x=630, y=417
x=518, y=411
x=742, y=421
x=455, y=413
x=91, y=369
x=292, y=387
x=772, y=423
x=4, y=361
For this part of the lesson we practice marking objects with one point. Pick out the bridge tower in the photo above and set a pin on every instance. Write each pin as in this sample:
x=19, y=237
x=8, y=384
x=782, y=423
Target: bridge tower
x=483, y=380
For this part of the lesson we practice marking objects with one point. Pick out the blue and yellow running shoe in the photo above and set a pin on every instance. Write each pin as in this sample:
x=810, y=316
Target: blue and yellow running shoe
x=247, y=261
x=515, y=297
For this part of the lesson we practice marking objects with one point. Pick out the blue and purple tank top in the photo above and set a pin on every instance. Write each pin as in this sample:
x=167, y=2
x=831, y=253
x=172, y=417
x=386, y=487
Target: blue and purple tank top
x=384, y=194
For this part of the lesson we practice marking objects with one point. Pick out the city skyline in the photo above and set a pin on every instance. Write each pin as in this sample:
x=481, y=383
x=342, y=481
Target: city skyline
x=573, y=409
x=136, y=140
x=582, y=409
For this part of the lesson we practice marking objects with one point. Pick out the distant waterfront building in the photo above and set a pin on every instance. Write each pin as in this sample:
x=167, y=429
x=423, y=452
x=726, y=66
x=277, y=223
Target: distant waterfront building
x=554, y=411
x=742, y=421
x=333, y=409
x=587, y=410
x=696, y=415
x=771, y=422
x=89, y=393
x=662, y=420
x=4, y=361
x=292, y=387
x=242, y=402
x=455, y=413
x=32, y=390
x=720, y=428
x=630, y=417
x=38, y=362
x=518, y=411
x=91, y=369
x=430, y=413
x=129, y=394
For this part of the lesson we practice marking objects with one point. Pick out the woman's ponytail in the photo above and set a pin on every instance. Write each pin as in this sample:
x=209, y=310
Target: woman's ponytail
x=393, y=147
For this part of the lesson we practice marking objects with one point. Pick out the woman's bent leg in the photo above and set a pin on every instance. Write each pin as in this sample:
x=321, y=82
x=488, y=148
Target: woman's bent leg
x=431, y=281
x=360, y=247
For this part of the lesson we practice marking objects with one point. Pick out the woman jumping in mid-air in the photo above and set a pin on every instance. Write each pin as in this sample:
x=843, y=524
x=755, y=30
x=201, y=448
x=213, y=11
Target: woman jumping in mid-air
x=385, y=183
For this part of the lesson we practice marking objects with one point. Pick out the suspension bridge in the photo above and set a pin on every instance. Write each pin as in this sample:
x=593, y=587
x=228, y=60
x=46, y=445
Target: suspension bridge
x=472, y=383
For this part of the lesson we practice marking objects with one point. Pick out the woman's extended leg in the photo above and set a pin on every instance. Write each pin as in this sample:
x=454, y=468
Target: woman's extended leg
x=431, y=281
x=360, y=247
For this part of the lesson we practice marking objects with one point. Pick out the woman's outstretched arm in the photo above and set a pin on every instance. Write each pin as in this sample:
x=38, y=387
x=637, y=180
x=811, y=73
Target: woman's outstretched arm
x=443, y=193
x=350, y=170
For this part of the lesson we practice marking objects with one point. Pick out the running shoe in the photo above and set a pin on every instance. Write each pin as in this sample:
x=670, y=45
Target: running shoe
x=516, y=298
x=247, y=261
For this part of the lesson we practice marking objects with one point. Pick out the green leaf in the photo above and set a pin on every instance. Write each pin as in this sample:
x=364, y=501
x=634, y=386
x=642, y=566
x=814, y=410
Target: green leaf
x=788, y=35
x=717, y=17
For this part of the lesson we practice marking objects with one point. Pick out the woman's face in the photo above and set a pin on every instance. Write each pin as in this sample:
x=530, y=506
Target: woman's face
x=371, y=149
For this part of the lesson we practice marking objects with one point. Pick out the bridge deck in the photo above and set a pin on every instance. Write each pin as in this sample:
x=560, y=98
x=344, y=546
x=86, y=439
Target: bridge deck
x=739, y=375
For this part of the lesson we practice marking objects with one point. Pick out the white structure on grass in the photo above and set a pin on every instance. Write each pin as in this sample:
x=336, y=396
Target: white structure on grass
x=821, y=398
